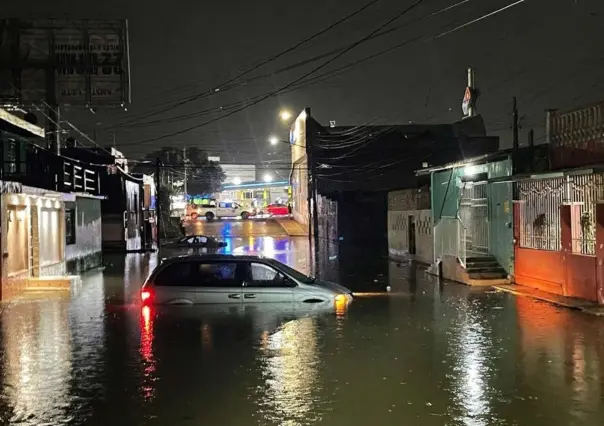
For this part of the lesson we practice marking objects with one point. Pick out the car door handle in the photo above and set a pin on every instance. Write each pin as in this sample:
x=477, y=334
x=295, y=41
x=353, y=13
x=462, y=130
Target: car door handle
x=249, y=296
x=234, y=296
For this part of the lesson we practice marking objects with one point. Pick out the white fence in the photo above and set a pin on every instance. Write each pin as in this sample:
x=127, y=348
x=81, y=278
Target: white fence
x=540, y=202
x=450, y=239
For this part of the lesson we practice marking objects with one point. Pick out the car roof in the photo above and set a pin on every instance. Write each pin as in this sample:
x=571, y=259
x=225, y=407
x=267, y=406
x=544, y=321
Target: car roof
x=212, y=256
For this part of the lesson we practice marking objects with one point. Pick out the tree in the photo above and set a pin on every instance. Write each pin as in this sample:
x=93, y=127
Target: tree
x=203, y=176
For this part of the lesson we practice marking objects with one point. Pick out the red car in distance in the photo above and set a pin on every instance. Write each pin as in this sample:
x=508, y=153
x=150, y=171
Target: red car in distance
x=277, y=210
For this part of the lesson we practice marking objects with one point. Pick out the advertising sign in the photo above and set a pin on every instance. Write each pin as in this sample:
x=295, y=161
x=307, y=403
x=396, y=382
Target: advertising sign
x=467, y=101
x=85, y=61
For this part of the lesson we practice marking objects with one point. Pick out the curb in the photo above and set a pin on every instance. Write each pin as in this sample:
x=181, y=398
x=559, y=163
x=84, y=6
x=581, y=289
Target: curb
x=594, y=309
x=288, y=233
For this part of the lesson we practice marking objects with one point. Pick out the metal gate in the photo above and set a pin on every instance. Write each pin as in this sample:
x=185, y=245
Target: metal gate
x=473, y=212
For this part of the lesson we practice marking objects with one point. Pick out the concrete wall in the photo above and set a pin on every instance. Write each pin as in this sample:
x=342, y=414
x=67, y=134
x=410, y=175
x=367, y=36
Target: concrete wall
x=410, y=206
x=299, y=177
x=398, y=235
x=86, y=252
x=300, y=192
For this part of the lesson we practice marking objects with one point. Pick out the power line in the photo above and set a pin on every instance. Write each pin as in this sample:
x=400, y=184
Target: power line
x=273, y=93
x=270, y=59
x=293, y=66
x=299, y=80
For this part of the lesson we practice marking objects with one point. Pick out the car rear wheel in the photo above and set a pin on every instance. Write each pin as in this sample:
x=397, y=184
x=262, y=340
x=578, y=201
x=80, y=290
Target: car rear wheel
x=209, y=216
x=245, y=215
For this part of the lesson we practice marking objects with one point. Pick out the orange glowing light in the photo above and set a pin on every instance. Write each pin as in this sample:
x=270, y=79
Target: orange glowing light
x=341, y=304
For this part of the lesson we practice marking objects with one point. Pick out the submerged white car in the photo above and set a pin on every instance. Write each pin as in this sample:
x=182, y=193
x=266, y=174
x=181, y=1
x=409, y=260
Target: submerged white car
x=219, y=278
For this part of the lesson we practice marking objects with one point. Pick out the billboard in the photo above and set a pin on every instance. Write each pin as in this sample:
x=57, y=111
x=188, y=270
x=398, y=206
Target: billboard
x=85, y=61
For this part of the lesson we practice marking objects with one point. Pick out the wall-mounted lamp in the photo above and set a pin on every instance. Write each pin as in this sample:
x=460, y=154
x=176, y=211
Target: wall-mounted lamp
x=470, y=170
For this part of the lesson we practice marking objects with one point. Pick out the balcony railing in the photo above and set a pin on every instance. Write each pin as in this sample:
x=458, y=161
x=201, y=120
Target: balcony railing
x=40, y=168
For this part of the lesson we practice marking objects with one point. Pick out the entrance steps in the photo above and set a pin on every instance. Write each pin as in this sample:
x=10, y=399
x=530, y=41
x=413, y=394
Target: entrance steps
x=484, y=267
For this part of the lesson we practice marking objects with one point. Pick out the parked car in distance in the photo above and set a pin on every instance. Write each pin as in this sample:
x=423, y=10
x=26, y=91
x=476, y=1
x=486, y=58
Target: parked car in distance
x=222, y=209
x=220, y=278
x=277, y=209
x=194, y=241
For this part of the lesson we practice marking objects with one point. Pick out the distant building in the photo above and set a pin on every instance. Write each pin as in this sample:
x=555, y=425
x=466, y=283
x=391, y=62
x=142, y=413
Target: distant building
x=257, y=194
x=238, y=173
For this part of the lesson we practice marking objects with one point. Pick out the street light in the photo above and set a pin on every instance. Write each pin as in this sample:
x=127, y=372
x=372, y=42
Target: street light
x=285, y=115
x=273, y=140
x=237, y=181
x=268, y=178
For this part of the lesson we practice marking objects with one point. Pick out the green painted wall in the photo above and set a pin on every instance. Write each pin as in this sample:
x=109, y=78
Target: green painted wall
x=501, y=233
x=445, y=191
x=445, y=203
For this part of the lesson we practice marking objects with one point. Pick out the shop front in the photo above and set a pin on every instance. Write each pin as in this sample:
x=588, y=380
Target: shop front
x=33, y=241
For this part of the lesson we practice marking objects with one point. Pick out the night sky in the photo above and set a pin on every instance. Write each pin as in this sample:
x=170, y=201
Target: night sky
x=548, y=53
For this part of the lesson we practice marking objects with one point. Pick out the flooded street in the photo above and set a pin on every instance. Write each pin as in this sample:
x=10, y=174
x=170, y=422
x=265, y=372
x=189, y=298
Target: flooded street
x=428, y=353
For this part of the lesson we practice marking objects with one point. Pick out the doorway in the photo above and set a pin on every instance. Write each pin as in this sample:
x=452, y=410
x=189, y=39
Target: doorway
x=411, y=234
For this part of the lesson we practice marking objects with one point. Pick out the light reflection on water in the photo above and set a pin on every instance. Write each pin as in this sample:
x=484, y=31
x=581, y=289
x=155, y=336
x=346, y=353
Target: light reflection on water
x=290, y=365
x=436, y=354
x=146, y=351
x=37, y=362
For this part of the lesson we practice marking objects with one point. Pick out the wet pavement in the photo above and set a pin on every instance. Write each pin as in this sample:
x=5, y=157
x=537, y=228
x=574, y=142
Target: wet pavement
x=428, y=353
x=236, y=228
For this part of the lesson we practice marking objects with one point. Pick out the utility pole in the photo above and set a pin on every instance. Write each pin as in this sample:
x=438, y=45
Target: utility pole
x=53, y=116
x=471, y=86
x=531, y=144
x=184, y=156
x=157, y=201
x=514, y=123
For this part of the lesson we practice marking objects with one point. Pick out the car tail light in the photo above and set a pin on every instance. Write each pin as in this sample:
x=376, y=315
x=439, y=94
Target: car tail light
x=146, y=296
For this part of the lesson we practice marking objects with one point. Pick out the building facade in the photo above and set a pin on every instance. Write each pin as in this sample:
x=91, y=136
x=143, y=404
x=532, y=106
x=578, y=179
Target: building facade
x=472, y=213
x=122, y=210
x=40, y=212
x=410, y=225
x=256, y=194
x=559, y=216
x=355, y=167
x=558, y=233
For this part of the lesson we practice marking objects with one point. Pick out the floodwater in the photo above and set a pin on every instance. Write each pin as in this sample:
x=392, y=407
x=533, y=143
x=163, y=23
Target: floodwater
x=427, y=353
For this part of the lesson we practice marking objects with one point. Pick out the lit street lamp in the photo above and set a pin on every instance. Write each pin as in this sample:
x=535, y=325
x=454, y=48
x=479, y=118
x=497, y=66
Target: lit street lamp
x=285, y=115
x=268, y=178
x=273, y=140
x=237, y=181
